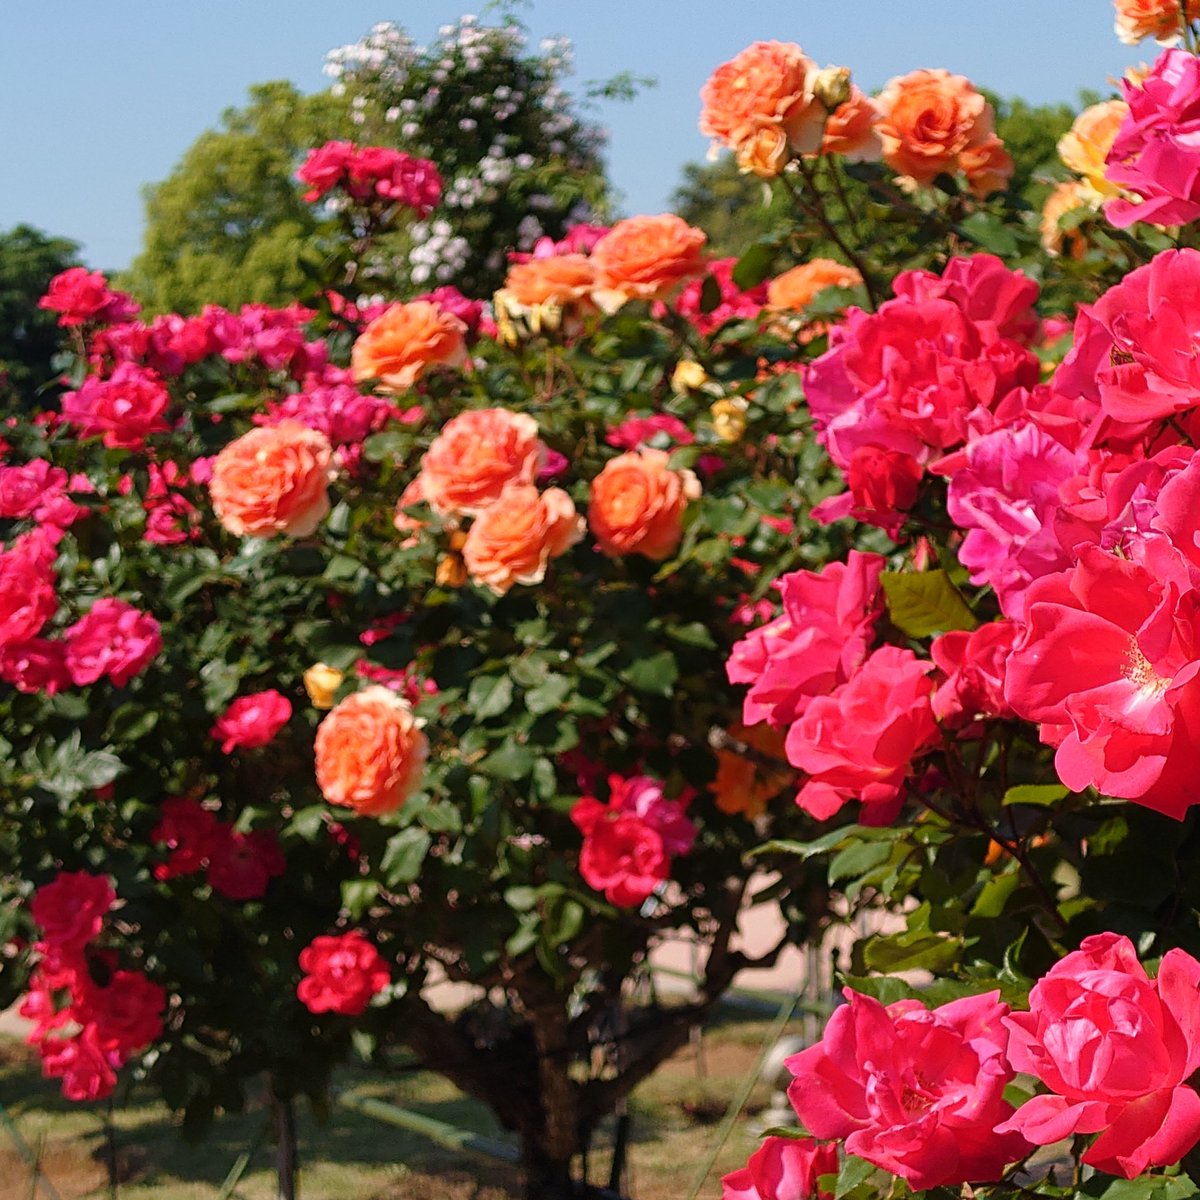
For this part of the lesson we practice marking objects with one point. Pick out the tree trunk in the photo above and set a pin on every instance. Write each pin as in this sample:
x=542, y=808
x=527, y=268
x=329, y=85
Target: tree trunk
x=285, y=1146
x=545, y=1178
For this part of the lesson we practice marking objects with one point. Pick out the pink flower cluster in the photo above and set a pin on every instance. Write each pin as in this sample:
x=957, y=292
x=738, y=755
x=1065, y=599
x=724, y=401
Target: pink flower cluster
x=89, y=1015
x=733, y=303
x=920, y=1092
x=629, y=842
x=367, y=173
x=237, y=865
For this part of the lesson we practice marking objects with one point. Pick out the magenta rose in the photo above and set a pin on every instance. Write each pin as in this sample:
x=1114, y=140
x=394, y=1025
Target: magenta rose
x=974, y=664
x=25, y=488
x=859, y=742
x=1115, y=1048
x=915, y=1091
x=27, y=597
x=252, y=721
x=783, y=1168
x=621, y=856
x=1156, y=153
x=124, y=409
x=113, y=638
x=70, y=909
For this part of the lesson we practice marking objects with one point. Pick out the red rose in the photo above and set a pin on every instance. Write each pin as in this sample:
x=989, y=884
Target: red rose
x=252, y=721
x=342, y=973
x=71, y=909
x=241, y=865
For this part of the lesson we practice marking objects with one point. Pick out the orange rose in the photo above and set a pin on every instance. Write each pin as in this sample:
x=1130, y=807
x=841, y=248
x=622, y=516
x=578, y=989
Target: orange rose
x=637, y=504
x=763, y=151
x=477, y=453
x=272, y=480
x=850, y=130
x=796, y=289
x=767, y=83
x=1160, y=19
x=400, y=345
x=928, y=118
x=370, y=752
x=744, y=785
x=646, y=258
x=1066, y=197
x=987, y=166
x=558, y=279
x=512, y=540
x=1085, y=146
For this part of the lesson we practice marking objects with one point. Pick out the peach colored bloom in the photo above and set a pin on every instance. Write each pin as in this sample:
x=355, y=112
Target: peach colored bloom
x=409, y=525
x=370, y=752
x=272, y=480
x=850, y=130
x=987, y=166
x=1066, y=197
x=558, y=279
x=768, y=82
x=513, y=538
x=1159, y=19
x=928, y=118
x=764, y=150
x=646, y=258
x=1085, y=146
x=796, y=289
x=477, y=453
x=401, y=344
x=637, y=504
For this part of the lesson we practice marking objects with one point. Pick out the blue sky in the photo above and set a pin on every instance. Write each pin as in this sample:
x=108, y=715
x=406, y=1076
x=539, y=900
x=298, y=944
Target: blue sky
x=97, y=100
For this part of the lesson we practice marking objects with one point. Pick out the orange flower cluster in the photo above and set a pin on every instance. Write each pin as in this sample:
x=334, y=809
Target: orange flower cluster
x=934, y=123
x=1160, y=19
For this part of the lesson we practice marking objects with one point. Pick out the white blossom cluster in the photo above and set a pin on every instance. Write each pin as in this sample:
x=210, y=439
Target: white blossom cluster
x=438, y=253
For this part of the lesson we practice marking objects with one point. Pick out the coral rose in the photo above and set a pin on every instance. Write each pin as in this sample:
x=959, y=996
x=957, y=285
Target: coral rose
x=646, y=258
x=928, y=118
x=272, y=480
x=1067, y=197
x=512, y=540
x=1085, y=146
x=637, y=504
x=1159, y=19
x=796, y=289
x=370, y=752
x=767, y=83
x=477, y=454
x=557, y=279
x=1116, y=1050
x=850, y=130
x=401, y=344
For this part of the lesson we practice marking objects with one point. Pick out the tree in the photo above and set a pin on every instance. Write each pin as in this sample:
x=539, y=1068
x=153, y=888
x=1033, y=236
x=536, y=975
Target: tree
x=29, y=336
x=228, y=225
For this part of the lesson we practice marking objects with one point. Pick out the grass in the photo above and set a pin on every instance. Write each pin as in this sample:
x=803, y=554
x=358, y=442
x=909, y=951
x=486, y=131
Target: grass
x=675, y=1116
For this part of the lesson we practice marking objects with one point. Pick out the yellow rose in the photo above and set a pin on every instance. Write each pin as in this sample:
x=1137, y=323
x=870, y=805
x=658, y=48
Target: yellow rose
x=729, y=418
x=688, y=375
x=321, y=681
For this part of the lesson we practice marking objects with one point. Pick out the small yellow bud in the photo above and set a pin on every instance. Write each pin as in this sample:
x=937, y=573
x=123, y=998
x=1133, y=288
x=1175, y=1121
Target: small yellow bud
x=451, y=571
x=831, y=86
x=729, y=418
x=321, y=682
x=688, y=375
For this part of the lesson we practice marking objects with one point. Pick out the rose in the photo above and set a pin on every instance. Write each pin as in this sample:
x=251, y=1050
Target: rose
x=1116, y=1049
x=112, y=638
x=321, y=682
x=370, y=752
x=36, y=665
x=24, y=488
x=82, y=1063
x=621, y=855
x=70, y=910
x=915, y=1091
x=272, y=480
x=557, y=279
x=783, y=1168
x=125, y=408
x=476, y=455
x=342, y=973
x=646, y=258
x=797, y=288
x=637, y=503
x=402, y=344
x=1159, y=19
x=1085, y=146
x=763, y=150
x=850, y=129
x=927, y=119
x=1155, y=155
x=512, y=539
x=974, y=665
x=768, y=83
x=252, y=721
x=80, y=296
x=27, y=597
x=126, y=1011
x=241, y=865
x=860, y=740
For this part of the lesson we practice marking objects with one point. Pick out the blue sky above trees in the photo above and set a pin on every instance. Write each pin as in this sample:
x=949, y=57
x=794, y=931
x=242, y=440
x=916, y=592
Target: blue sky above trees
x=96, y=101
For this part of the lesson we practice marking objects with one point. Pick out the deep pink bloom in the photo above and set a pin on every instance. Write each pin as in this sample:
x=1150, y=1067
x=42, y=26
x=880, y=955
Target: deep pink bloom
x=24, y=488
x=1108, y=665
x=860, y=741
x=112, y=638
x=27, y=597
x=71, y=908
x=252, y=721
x=974, y=664
x=1116, y=1050
x=86, y=1068
x=883, y=486
x=125, y=408
x=241, y=865
x=643, y=796
x=38, y=665
x=621, y=856
x=340, y=411
x=915, y=1091
x=80, y=295
x=191, y=832
x=342, y=973
x=1156, y=153
x=827, y=623
x=733, y=303
x=637, y=431
x=783, y=1168
x=126, y=1012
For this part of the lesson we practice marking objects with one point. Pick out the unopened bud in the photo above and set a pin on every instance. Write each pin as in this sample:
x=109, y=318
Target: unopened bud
x=831, y=86
x=321, y=681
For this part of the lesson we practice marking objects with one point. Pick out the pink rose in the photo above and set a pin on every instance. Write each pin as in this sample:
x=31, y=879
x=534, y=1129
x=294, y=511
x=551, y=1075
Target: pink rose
x=70, y=910
x=80, y=295
x=125, y=408
x=915, y=1091
x=1115, y=1049
x=974, y=664
x=114, y=639
x=38, y=665
x=27, y=597
x=25, y=488
x=252, y=721
x=783, y=1168
x=341, y=974
x=621, y=856
x=859, y=742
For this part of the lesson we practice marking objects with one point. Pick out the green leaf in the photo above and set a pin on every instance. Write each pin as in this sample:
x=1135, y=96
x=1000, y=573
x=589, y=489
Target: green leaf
x=926, y=602
x=357, y=895
x=910, y=951
x=995, y=894
x=656, y=674
x=986, y=231
x=696, y=633
x=1040, y=794
x=548, y=696
x=521, y=898
x=754, y=265
x=489, y=696
x=857, y=859
x=405, y=854
x=855, y=1171
x=511, y=761
x=710, y=294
